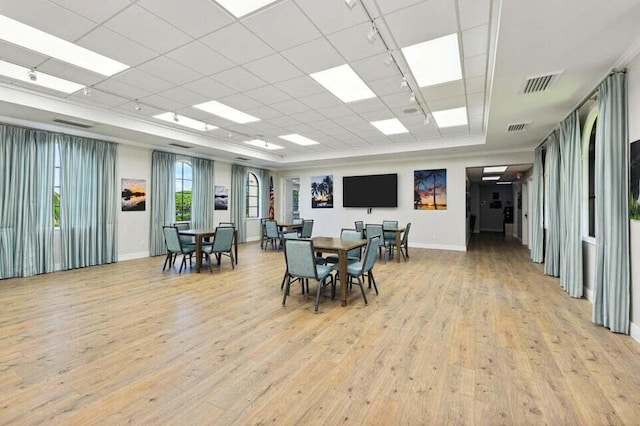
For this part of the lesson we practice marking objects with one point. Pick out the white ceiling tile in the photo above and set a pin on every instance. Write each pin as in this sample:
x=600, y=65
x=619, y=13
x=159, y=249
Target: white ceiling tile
x=239, y=79
x=475, y=66
x=184, y=96
x=320, y=100
x=374, y=68
x=200, y=58
x=264, y=112
x=96, y=10
x=373, y=104
x=475, y=41
x=332, y=16
x=455, y=131
x=475, y=84
x=475, y=99
x=449, y=103
x=352, y=43
x=19, y=56
x=143, y=80
x=388, y=6
x=476, y=110
x=144, y=27
x=268, y=94
x=473, y=13
x=265, y=126
x=476, y=127
x=336, y=111
x=170, y=70
x=445, y=90
x=408, y=25
x=70, y=72
x=382, y=114
x=273, y=69
x=299, y=87
x=240, y=102
x=194, y=17
x=290, y=107
x=209, y=88
x=47, y=16
x=308, y=117
x=237, y=43
x=284, y=121
x=116, y=46
x=397, y=99
x=122, y=89
x=386, y=86
x=275, y=26
x=161, y=102
x=402, y=137
x=314, y=56
x=351, y=121
x=145, y=110
x=100, y=98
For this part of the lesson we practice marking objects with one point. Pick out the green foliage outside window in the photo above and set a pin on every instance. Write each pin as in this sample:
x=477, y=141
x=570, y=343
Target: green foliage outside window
x=183, y=206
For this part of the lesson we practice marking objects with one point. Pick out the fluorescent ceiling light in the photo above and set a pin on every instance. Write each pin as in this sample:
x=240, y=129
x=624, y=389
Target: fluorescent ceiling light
x=300, y=140
x=451, y=117
x=38, y=78
x=224, y=111
x=181, y=120
x=435, y=61
x=392, y=126
x=263, y=144
x=33, y=39
x=490, y=177
x=239, y=8
x=343, y=82
x=494, y=169
x=504, y=183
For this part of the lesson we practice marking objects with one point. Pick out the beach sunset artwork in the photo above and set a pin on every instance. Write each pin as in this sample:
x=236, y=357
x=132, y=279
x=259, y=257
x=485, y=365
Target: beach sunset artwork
x=430, y=189
x=134, y=197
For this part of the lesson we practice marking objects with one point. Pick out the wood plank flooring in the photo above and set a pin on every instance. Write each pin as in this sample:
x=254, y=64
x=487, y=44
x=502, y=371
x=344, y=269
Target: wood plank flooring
x=475, y=338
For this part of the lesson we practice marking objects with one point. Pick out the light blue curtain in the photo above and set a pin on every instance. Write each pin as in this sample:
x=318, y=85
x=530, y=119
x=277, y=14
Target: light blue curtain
x=537, y=208
x=571, y=206
x=163, y=199
x=552, y=189
x=612, y=288
x=89, y=197
x=202, y=199
x=239, y=201
x=26, y=201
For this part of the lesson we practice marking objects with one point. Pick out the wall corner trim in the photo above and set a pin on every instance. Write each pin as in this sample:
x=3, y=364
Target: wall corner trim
x=588, y=293
x=634, y=330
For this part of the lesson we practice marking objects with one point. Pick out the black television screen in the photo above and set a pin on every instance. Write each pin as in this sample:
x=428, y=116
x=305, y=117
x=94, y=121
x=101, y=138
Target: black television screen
x=370, y=191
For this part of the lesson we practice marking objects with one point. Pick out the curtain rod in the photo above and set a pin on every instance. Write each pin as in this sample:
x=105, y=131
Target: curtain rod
x=584, y=100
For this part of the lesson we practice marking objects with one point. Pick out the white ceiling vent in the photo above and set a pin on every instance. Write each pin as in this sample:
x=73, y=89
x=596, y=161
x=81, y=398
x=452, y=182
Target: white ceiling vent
x=73, y=123
x=517, y=127
x=177, y=145
x=540, y=83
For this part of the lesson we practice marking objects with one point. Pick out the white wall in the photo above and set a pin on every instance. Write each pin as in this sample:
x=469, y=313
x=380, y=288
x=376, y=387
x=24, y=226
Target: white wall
x=491, y=219
x=633, y=84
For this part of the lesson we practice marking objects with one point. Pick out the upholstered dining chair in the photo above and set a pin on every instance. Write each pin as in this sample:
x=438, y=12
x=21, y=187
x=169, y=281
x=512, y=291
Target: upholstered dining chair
x=292, y=235
x=375, y=230
x=359, y=269
x=307, y=228
x=404, y=243
x=389, y=237
x=222, y=245
x=301, y=265
x=359, y=225
x=271, y=234
x=175, y=247
x=352, y=255
x=183, y=226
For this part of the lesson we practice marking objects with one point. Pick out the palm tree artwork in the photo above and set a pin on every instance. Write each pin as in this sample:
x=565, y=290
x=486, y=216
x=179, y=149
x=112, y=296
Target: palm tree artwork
x=322, y=192
x=430, y=189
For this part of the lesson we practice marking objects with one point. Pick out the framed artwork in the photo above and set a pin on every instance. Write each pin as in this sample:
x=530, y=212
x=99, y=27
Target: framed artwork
x=634, y=183
x=322, y=192
x=495, y=204
x=221, y=197
x=430, y=189
x=496, y=195
x=134, y=197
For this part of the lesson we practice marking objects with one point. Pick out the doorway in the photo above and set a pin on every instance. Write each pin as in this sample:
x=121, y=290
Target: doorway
x=291, y=206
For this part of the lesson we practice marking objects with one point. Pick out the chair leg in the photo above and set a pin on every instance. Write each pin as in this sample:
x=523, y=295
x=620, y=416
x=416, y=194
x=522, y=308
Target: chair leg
x=361, y=284
x=183, y=263
x=233, y=262
x=320, y=285
x=372, y=280
x=167, y=260
x=286, y=290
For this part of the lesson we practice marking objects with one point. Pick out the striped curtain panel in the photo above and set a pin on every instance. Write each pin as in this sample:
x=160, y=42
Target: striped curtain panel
x=612, y=287
x=537, y=208
x=26, y=201
x=552, y=190
x=89, y=197
x=202, y=199
x=239, y=200
x=163, y=199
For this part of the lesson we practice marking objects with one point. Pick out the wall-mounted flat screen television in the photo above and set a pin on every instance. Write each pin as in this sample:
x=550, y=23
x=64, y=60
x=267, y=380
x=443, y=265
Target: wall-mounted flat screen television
x=370, y=191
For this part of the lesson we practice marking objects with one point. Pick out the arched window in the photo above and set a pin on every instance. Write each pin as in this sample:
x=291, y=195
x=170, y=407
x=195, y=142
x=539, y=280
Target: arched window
x=253, y=196
x=56, y=186
x=588, y=174
x=592, y=181
x=184, y=185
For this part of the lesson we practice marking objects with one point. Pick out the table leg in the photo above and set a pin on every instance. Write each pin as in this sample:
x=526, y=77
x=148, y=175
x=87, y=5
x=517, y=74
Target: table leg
x=235, y=245
x=198, y=253
x=398, y=246
x=342, y=267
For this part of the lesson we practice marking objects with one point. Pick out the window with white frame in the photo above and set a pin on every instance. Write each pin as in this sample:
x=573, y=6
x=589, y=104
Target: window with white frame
x=253, y=196
x=184, y=186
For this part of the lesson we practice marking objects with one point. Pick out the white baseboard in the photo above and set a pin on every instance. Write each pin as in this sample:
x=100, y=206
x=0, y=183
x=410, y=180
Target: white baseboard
x=492, y=230
x=634, y=330
x=588, y=293
x=252, y=239
x=438, y=246
x=131, y=256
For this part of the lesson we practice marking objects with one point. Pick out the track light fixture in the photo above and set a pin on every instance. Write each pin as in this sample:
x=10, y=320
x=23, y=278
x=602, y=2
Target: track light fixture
x=137, y=106
x=388, y=58
x=350, y=3
x=32, y=75
x=373, y=33
x=207, y=127
x=175, y=117
x=426, y=119
x=87, y=91
x=403, y=82
x=412, y=98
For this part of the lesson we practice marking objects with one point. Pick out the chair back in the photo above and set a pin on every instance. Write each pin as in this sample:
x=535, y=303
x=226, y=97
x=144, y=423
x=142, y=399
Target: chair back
x=227, y=224
x=271, y=228
x=223, y=239
x=405, y=236
x=389, y=224
x=373, y=230
x=299, y=257
x=172, y=239
x=307, y=229
x=359, y=225
x=370, y=254
x=297, y=221
x=183, y=226
x=352, y=234
x=290, y=235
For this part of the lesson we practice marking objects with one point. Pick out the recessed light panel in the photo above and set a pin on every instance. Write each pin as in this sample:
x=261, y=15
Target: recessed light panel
x=33, y=39
x=263, y=144
x=38, y=78
x=299, y=139
x=490, y=177
x=451, y=117
x=435, y=61
x=224, y=111
x=392, y=126
x=494, y=169
x=239, y=8
x=344, y=83
x=503, y=183
x=181, y=120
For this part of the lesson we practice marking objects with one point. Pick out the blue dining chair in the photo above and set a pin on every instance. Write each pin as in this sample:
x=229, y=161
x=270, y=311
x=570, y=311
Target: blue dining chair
x=359, y=269
x=222, y=245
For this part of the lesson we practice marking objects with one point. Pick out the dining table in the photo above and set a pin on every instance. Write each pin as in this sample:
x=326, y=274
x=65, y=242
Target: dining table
x=199, y=234
x=341, y=248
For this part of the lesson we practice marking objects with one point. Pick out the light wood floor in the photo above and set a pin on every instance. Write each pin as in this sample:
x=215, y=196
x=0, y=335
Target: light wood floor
x=481, y=337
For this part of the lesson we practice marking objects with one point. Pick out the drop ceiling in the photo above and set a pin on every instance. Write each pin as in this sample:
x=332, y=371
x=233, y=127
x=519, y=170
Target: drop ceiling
x=189, y=52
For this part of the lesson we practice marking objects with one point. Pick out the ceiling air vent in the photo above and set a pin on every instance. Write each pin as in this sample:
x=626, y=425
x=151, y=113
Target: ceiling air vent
x=177, y=145
x=73, y=123
x=242, y=159
x=540, y=83
x=517, y=127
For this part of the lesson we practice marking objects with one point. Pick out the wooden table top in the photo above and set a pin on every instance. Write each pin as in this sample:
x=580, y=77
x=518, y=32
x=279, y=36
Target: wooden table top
x=195, y=232
x=332, y=243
